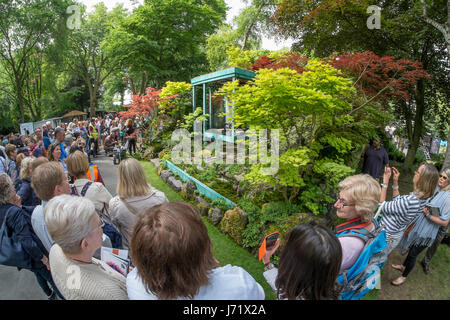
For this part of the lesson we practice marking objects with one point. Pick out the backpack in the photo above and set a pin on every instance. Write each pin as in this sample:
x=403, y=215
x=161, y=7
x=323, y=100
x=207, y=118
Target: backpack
x=108, y=229
x=365, y=273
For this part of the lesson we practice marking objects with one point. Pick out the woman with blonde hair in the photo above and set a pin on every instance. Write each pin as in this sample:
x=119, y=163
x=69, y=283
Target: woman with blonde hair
x=29, y=198
x=399, y=213
x=357, y=203
x=134, y=194
x=426, y=227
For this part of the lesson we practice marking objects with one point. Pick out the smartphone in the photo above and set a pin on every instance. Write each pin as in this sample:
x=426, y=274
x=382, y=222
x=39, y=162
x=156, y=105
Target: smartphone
x=268, y=242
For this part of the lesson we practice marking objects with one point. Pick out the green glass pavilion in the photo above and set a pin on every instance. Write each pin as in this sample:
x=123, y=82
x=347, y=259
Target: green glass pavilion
x=203, y=89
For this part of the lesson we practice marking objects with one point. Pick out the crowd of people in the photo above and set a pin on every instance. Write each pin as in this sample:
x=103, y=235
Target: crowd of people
x=59, y=216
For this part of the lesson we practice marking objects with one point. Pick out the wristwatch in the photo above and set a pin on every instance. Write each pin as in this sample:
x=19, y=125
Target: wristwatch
x=394, y=187
x=268, y=266
x=384, y=185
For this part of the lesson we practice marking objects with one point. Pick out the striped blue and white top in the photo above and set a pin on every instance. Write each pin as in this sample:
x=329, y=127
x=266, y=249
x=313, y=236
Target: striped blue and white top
x=399, y=212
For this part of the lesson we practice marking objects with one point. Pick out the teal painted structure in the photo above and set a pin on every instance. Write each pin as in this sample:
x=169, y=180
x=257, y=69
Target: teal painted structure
x=201, y=187
x=230, y=74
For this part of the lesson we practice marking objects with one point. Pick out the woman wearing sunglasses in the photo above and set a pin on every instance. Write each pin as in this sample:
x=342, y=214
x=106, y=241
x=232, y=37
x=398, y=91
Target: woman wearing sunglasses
x=402, y=210
x=426, y=229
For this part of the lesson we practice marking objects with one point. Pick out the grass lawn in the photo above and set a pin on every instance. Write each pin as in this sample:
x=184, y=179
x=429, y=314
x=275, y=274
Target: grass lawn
x=225, y=250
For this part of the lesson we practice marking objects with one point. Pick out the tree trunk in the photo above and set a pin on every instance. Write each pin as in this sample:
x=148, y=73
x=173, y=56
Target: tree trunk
x=92, y=103
x=418, y=125
x=447, y=155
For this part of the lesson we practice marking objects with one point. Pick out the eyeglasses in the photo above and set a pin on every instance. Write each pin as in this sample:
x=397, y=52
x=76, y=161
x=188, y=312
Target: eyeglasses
x=443, y=177
x=343, y=203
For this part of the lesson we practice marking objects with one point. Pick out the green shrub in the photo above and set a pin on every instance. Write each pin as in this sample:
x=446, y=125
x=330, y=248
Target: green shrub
x=233, y=224
x=221, y=204
x=420, y=155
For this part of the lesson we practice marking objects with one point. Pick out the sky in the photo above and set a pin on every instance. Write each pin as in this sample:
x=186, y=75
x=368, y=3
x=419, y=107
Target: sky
x=235, y=7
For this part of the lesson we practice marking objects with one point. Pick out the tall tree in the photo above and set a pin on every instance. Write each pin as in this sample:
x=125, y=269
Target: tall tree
x=164, y=40
x=27, y=27
x=444, y=28
x=326, y=26
x=90, y=57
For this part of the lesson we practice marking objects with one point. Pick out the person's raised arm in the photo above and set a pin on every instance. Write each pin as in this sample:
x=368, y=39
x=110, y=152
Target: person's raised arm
x=386, y=177
x=395, y=192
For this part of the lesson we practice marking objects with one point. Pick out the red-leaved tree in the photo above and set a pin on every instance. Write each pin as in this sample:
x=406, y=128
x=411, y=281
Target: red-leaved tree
x=145, y=105
x=380, y=78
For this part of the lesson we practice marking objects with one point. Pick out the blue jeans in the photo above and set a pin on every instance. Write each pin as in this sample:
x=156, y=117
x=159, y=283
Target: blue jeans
x=44, y=277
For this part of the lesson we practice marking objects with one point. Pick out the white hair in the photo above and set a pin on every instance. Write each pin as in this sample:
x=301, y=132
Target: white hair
x=68, y=219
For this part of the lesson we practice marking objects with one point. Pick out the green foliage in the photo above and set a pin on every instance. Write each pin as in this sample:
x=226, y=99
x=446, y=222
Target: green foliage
x=420, y=155
x=233, y=224
x=221, y=204
x=252, y=233
x=191, y=118
x=242, y=58
x=209, y=174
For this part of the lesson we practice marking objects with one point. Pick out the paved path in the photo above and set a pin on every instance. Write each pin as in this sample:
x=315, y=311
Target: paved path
x=22, y=285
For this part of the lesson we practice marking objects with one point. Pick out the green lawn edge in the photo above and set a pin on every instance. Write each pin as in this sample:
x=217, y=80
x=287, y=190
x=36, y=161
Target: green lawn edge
x=225, y=250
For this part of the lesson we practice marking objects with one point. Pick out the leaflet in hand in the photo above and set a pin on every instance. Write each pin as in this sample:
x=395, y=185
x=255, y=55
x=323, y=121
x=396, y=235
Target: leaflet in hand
x=435, y=211
x=116, y=259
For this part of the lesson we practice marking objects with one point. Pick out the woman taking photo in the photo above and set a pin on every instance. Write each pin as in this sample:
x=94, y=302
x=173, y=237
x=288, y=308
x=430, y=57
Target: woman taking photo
x=53, y=154
x=309, y=264
x=398, y=213
x=134, y=194
x=425, y=227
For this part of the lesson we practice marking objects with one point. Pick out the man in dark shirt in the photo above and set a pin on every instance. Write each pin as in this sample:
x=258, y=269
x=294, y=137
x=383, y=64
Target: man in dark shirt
x=375, y=157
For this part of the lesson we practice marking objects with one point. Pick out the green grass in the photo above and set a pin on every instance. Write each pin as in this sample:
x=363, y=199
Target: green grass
x=225, y=250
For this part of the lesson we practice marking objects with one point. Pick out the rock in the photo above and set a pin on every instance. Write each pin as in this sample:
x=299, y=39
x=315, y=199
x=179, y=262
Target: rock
x=165, y=174
x=222, y=179
x=215, y=216
x=148, y=154
x=202, y=205
x=239, y=177
x=156, y=162
x=174, y=183
x=233, y=224
x=188, y=190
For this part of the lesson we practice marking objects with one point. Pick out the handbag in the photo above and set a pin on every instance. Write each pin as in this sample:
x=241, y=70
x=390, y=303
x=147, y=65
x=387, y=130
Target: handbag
x=408, y=230
x=12, y=253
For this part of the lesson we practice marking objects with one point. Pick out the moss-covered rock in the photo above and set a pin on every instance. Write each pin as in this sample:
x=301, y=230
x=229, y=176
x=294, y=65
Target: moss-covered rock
x=233, y=224
x=287, y=224
x=149, y=154
x=215, y=215
x=202, y=205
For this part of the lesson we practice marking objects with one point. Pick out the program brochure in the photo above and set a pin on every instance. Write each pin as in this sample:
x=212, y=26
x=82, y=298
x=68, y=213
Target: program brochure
x=116, y=259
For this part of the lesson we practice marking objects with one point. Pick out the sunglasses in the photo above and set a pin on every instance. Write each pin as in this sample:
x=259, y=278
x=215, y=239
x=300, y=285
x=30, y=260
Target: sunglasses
x=443, y=177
